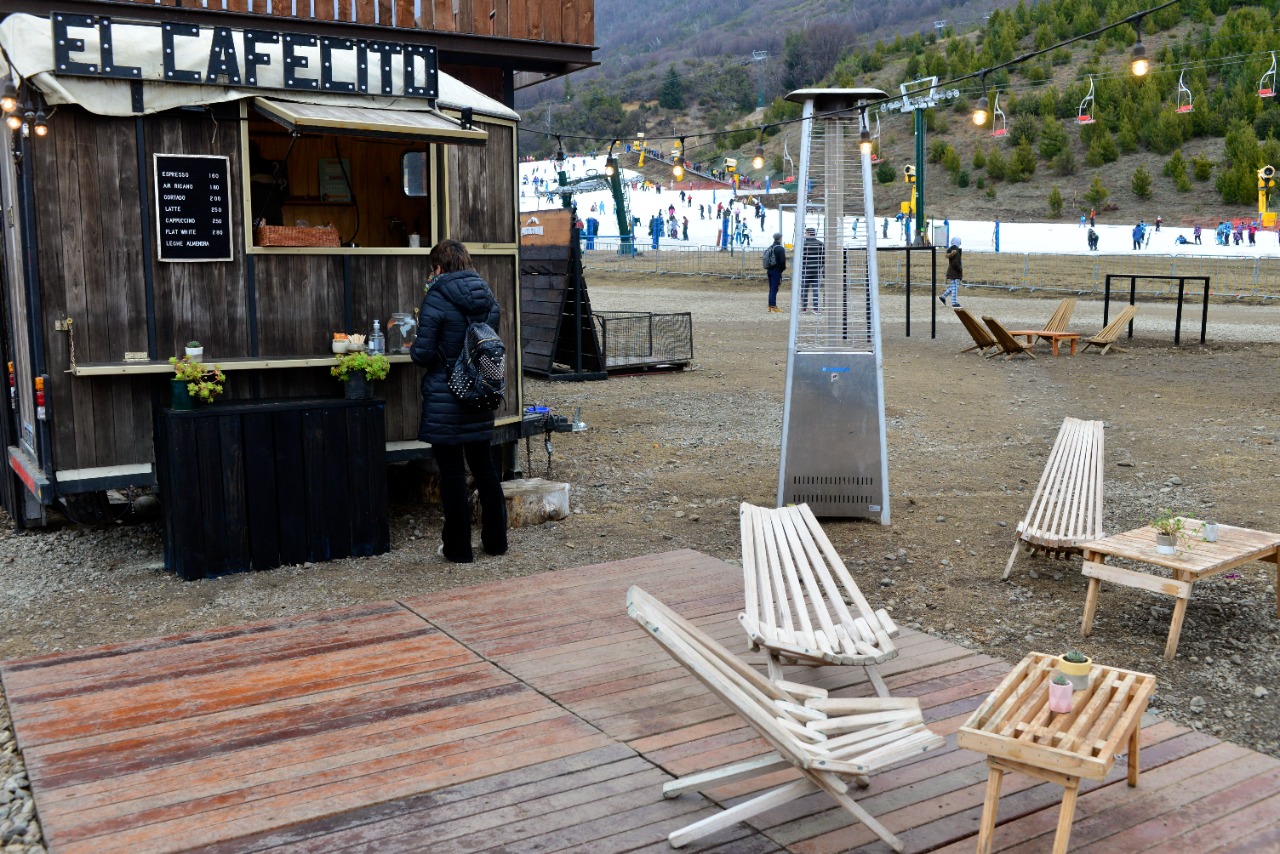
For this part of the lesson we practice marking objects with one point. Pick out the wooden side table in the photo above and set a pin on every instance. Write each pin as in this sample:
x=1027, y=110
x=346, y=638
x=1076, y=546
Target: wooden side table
x=1194, y=561
x=1016, y=730
x=1032, y=335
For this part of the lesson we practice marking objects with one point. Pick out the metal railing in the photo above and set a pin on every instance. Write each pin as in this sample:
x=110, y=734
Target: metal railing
x=1076, y=274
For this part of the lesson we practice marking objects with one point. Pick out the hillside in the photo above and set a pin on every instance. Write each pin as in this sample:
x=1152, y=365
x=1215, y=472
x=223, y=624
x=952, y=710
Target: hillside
x=1200, y=163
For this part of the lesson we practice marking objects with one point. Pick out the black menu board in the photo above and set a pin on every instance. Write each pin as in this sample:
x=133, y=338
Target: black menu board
x=193, y=207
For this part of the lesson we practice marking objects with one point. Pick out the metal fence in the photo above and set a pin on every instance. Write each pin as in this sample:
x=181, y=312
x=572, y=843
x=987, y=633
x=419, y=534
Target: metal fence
x=1077, y=274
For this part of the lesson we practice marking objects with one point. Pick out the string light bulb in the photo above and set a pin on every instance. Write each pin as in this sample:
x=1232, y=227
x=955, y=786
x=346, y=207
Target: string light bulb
x=9, y=101
x=611, y=165
x=559, y=158
x=864, y=136
x=983, y=111
x=1139, y=64
x=13, y=121
x=41, y=125
x=677, y=162
x=757, y=162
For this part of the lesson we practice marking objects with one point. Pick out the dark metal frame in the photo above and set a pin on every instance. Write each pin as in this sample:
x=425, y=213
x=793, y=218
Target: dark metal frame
x=1133, y=292
x=933, y=283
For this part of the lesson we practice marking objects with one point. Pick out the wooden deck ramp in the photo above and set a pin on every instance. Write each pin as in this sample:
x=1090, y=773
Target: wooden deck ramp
x=532, y=715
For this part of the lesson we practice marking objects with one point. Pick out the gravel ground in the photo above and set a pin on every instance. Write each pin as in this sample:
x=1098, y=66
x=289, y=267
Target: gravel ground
x=668, y=457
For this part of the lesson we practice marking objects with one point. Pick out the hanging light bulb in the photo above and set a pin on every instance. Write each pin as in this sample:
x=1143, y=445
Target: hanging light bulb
x=757, y=162
x=677, y=162
x=610, y=165
x=983, y=110
x=1139, y=65
x=559, y=158
x=864, y=137
x=9, y=101
x=13, y=121
x=41, y=126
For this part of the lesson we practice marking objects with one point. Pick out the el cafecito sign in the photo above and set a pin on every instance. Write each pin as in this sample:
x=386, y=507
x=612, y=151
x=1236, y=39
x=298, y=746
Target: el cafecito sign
x=101, y=46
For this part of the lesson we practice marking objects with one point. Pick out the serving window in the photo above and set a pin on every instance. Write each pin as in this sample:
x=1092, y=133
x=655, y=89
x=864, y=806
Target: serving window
x=323, y=176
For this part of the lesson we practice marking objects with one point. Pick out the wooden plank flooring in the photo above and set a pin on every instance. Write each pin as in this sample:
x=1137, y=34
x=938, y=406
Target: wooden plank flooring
x=533, y=715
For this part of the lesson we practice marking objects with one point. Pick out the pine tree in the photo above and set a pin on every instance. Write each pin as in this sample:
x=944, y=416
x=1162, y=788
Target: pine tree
x=1097, y=194
x=979, y=158
x=1053, y=138
x=996, y=170
x=1023, y=164
x=671, y=94
x=1175, y=167
x=885, y=173
x=1141, y=182
x=1055, y=202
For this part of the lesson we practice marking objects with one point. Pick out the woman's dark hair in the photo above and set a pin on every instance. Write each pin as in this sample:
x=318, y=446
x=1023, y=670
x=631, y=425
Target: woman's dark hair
x=450, y=256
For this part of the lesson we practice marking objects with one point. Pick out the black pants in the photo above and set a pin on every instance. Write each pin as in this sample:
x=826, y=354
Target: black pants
x=457, y=511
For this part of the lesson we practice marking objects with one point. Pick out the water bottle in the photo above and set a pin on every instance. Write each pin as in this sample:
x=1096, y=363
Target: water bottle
x=377, y=343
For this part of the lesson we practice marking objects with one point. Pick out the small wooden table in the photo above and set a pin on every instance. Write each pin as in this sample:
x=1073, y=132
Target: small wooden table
x=1194, y=561
x=1053, y=337
x=1016, y=730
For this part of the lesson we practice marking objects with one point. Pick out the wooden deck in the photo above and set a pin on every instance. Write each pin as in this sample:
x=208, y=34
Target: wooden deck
x=532, y=715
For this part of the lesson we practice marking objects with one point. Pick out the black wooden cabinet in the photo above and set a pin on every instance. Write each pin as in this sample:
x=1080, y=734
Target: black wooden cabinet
x=269, y=483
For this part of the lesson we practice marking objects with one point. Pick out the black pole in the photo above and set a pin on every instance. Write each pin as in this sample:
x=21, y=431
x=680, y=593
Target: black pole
x=575, y=270
x=35, y=307
x=1204, y=311
x=1177, y=323
x=1133, y=293
x=908, y=307
x=933, y=278
x=148, y=277
x=348, y=306
x=1106, y=300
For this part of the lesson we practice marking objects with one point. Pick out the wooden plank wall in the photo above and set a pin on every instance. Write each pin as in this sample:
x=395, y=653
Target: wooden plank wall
x=481, y=185
x=563, y=21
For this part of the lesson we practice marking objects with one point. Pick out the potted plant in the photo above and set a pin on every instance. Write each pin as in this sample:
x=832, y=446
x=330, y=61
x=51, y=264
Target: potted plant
x=358, y=370
x=1209, y=531
x=1060, y=691
x=195, y=350
x=1169, y=529
x=1075, y=666
x=194, y=381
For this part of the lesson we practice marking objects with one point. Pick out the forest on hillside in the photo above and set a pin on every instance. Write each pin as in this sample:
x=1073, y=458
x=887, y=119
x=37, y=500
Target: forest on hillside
x=1216, y=52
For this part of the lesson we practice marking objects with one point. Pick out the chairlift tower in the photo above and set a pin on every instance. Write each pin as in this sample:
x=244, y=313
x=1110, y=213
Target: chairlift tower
x=833, y=429
x=918, y=96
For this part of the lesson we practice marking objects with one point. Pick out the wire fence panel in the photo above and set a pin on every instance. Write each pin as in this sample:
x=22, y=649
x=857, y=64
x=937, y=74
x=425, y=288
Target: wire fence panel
x=1079, y=274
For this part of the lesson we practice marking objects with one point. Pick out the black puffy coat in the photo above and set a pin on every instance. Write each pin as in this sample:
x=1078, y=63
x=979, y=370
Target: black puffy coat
x=453, y=303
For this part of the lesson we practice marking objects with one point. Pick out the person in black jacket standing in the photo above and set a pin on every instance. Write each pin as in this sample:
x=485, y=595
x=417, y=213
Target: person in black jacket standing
x=456, y=298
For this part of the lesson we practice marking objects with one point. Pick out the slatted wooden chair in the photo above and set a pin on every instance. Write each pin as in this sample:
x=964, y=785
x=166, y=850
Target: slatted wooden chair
x=1066, y=508
x=1008, y=345
x=797, y=588
x=1106, y=339
x=1061, y=316
x=830, y=741
x=982, y=340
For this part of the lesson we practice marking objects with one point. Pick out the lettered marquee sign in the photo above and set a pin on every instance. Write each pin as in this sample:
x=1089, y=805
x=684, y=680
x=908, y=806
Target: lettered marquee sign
x=101, y=46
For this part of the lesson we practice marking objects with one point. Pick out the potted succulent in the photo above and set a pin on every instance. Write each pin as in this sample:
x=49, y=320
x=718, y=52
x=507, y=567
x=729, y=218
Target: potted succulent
x=1060, y=691
x=1209, y=531
x=195, y=350
x=358, y=370
x=1075, y=666
x=193, y=381
x=1169, y=529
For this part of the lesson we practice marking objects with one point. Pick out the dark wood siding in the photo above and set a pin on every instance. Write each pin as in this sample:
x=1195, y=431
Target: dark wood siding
x=482, y=188
x=500, y=272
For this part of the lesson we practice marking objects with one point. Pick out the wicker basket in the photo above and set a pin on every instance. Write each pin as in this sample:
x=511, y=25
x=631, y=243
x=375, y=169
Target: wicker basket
x=289, y=235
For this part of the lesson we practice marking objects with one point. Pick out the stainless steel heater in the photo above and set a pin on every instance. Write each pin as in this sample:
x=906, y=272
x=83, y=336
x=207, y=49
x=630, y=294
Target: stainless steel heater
x=833, y=432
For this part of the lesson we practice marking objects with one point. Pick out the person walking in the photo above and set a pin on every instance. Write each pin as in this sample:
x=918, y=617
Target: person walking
x=1093, y=216
x=775, y=262
x=995, y=236
x=655, y=229
x=1093, y=240
x=955, y=272
x=1195, y=234
x=685, y=231
x=1159, y=221
x=812, y=267
x=1137, y=236
x=460, y=435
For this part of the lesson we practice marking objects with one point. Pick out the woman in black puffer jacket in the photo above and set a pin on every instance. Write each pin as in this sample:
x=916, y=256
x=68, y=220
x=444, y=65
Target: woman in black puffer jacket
x=457, y=298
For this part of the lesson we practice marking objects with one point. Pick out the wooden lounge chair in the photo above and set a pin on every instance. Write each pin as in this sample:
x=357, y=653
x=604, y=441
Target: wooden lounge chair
x=1066, y=508
x=1106, y=339
x=1008, y=345
x=1061, y=316
x=830, y=741
x=982, y=340
x=796, y=590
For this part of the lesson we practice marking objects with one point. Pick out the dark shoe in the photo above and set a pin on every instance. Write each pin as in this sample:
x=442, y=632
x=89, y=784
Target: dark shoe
x=942, y=300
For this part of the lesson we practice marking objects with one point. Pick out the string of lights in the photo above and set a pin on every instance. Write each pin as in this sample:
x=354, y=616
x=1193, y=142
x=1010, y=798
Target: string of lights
x=1140, y=65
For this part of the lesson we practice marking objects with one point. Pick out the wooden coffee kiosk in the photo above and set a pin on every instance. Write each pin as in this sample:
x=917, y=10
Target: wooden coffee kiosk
x=251, y=179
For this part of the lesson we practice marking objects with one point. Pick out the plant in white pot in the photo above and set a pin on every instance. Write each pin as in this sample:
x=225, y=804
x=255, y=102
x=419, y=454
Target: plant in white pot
x=1209, y=531
x=1170, y=527
x=195, y=351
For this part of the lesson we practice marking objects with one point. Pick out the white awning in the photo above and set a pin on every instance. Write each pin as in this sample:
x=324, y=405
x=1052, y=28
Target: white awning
x=363, y=121
x=27, y=41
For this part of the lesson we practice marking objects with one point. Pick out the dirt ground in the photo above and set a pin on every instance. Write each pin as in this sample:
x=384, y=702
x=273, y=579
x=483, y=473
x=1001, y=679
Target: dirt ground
x=668, y=457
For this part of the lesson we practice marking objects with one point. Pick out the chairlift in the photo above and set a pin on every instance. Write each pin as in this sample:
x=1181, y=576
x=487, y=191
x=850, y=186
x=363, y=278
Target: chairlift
x=1185, y=101
x=999, y=123
x=875, y=144
x=1084, y=115
x=1267, y=85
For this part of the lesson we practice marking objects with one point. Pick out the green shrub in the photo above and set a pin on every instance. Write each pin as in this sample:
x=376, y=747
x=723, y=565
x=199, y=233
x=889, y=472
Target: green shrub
x=1055, y=202
x=1097, y=194
x=996, y=169
x=1065, y=163
x=1141, y=182
x=979, y=158
x=885, y=173
x=1023, y=163
x=1201, y=167
x=962, y=178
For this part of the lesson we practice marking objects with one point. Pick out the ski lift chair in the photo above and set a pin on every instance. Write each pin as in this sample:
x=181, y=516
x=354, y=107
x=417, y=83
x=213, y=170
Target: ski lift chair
x=1084, y=115
x=1267, y=85
x=999, y=123
x=1185, y=101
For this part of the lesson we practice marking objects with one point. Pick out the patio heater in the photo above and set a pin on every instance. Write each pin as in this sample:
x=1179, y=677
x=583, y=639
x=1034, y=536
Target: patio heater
x=833, y=432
